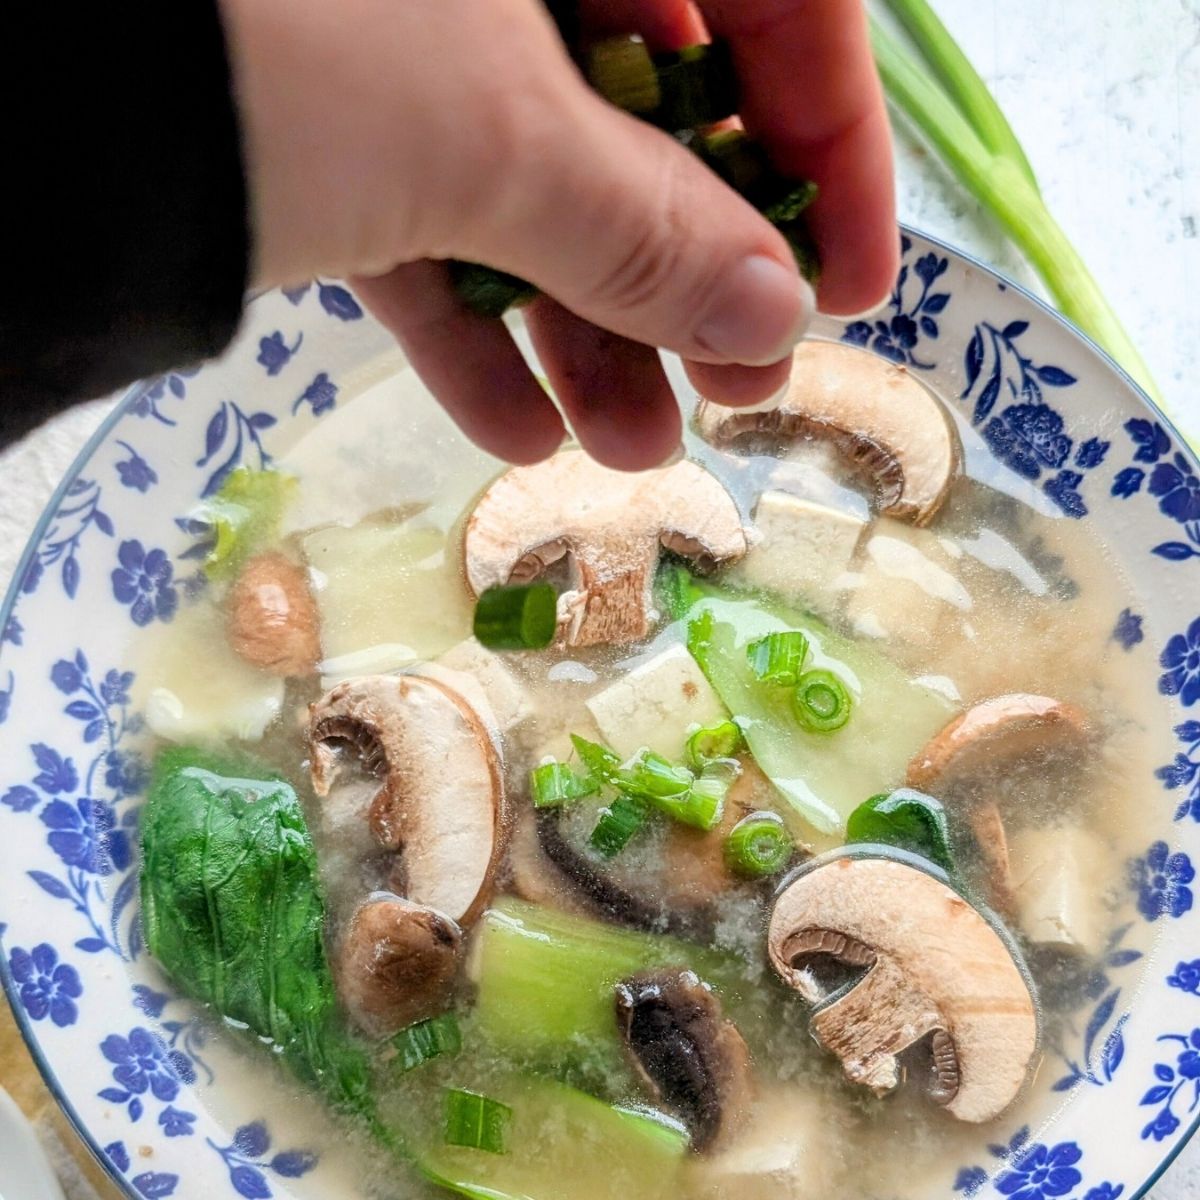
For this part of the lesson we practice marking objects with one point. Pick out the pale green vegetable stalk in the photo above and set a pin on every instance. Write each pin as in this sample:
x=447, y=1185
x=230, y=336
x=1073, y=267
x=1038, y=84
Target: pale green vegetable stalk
x=977, y=143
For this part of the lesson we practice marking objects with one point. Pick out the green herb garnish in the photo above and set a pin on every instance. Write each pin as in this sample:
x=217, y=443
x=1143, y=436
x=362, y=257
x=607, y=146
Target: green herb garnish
x=475, y=1121
x=517, y=618
x=555, y=783
x=778, y=658
x=821, y=702
x=618, y=823
x=758, y=845
x=427, y=1040
x=907, y=819
x=717, y=741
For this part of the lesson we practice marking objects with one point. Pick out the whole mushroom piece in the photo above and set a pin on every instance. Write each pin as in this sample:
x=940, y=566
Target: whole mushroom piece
x=436, y=805
x=610, y=526
x=935, y=968
x=869, y=409
x=273, y=621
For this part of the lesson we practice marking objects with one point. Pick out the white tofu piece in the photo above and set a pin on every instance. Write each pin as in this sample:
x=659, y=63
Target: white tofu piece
x=804, y=549
x=906, y=588
x=655, y=704
x=1059, y=877
x=506, y=695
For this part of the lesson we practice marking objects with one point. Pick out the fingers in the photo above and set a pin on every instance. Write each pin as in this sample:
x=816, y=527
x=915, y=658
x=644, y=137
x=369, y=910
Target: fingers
x=628, y=230
x=665, y=24
x=613, y=390
x=811, y=94
x=470, y=363
x=738, y=386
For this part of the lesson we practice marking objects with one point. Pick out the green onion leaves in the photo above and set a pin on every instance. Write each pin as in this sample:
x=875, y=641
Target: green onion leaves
x=517, y=618
x=427, y=1040
x=779, y=657
x=555, y=783
x=717, y=741
x=907, y=819
x=821, y=702
x=618, y=822
x=758, y=845
x=621, y=70
x=476, y=1121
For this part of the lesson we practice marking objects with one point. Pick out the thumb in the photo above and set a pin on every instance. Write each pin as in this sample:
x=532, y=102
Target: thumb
x=629, y=230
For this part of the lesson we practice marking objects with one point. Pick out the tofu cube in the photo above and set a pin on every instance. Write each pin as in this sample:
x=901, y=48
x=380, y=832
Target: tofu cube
x=505, y=694
x=655, y=704
x=1059, y=878
x=804, y=550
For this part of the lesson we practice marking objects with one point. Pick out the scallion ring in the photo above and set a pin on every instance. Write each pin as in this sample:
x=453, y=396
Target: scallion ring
x=758, y=845
x=713, y=742
x=517, y=618
x=821, y=702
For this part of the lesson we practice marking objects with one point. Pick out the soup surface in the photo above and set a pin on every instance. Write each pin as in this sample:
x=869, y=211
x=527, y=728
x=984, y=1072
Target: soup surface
x=792, y=860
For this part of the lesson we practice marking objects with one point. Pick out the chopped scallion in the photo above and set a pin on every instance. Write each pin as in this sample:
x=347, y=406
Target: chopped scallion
x=621, y=70
x=654, y=777
x=601, y=762
x=427, y=1039
x=486, y=291
x=618, y=822
x=716, y=741
x=758, y=845
x=789, y=207
x=904, y=818
x=476, y=1121
x=555, y=783
x=517, y=618
x=821, y=702
x=698, y=86
x=704, y=805
x=779, y=657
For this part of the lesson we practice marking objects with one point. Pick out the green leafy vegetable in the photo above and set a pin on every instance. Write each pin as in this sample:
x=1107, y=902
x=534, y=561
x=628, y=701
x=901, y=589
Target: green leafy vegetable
x=243, y=516
x=717, y=741
x=821, y=701
x=823, y=778
x=426, y=1040
x=555, y=783
x=907, y=819
x=758, y=845
x=779, y=657
x=231, y=908
x=517, y=618
x=475, y=1121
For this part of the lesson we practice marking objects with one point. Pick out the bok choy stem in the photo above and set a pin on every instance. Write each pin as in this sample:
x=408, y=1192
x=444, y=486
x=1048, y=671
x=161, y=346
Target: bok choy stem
x=1002, y=186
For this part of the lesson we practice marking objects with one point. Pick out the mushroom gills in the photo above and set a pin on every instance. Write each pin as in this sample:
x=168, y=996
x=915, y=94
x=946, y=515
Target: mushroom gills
x=689, y=1056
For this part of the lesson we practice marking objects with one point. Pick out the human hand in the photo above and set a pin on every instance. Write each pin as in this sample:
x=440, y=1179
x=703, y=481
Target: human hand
x=384, y=136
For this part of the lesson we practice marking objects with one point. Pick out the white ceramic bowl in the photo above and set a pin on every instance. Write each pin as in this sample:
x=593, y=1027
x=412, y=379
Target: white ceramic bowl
x=1040, y=408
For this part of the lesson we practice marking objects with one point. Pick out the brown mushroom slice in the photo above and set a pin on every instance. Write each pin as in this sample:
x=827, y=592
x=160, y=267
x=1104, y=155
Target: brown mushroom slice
x=689, y=1056
x=439, y=802
x=871, y=410
x=273, y=620
x=396, y=964
x=935, y=968
x=610, y=526
x=993, y=735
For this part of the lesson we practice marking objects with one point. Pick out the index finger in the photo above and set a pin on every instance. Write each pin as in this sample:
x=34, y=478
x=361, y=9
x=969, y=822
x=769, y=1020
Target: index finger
x=810, y=93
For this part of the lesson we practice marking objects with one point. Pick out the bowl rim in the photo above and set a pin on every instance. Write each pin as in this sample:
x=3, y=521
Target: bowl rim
x=137, y=390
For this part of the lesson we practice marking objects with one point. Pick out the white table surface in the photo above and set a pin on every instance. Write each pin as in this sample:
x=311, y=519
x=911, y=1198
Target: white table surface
x=1105, y=96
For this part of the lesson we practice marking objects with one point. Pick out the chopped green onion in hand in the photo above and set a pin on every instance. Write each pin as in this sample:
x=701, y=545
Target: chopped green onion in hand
x=427, y=1040
x=778, y=658
x=621, y=70
x=486, y=291
x=517, y=618
x=758, y=845
x=555, y=783
x=821, y=702
x=476, y=1121
x=618, y=823
x=716, y=741
x=907, y=819
x=698, y=86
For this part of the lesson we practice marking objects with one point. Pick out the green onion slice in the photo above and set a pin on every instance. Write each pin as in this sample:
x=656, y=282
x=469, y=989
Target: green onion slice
x=779, y=657
x=711, y=743
x=618, y=822
x=654, y=777
x=758, y=845
x=706, y=801
x=517, y=618
x=907, y=819
x=601, y=762
x=622, y=71
x=427, y=1039
x=698, y=86
x=475, y=1121
x=821, y=702
x=555, y=783
x=486, y=291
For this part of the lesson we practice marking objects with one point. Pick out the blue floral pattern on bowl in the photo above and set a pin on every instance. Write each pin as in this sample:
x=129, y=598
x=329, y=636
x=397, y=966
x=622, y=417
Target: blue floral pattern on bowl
x=135, y=1063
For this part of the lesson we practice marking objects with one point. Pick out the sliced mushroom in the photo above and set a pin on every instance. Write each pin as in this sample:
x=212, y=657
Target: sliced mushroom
x=969, y=758
x=439, y=804
x=396, y=964
x=689, y=1056
x=610, y=526
x=273, y=620
x=935, y=969
x=871, y=410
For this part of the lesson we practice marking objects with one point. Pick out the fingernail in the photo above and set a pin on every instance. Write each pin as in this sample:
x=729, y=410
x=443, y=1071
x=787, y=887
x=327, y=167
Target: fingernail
x=760, y=312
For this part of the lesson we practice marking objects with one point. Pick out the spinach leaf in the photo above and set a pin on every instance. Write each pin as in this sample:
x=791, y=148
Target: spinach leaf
x=232, y=908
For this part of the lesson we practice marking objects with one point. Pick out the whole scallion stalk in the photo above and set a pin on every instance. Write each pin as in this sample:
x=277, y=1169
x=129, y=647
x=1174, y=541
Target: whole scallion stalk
x=965, y=126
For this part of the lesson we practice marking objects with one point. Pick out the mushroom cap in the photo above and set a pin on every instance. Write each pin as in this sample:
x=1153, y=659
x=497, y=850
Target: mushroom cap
x=994, y=734
x=611, y=526
x=440, y=802
x=396, y=964
x=872, y=410
x=273, y=621
x=935, y=965
x=689, y=1056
